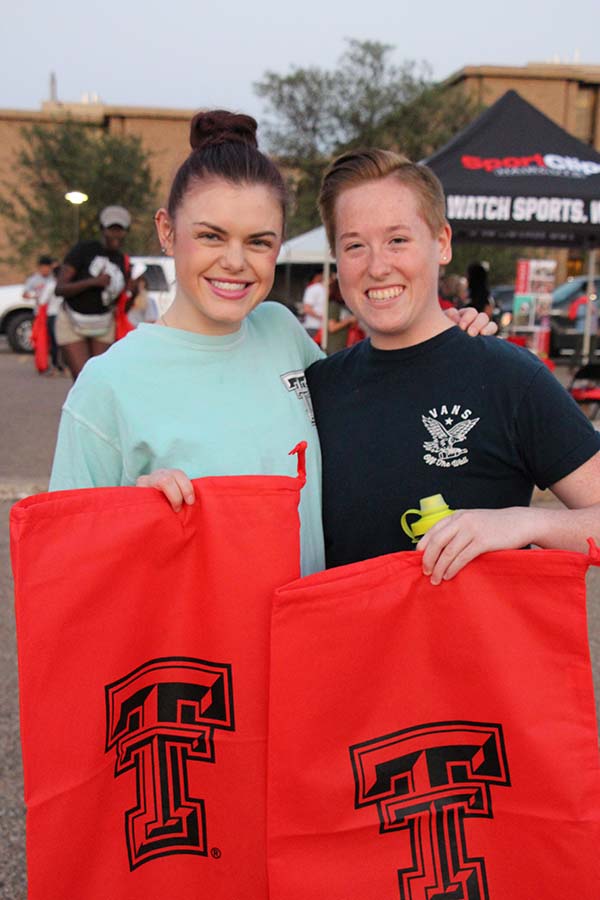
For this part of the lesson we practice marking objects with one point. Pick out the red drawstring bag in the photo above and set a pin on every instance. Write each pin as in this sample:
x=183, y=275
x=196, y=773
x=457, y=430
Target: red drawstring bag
x=143, y=650
x=122, y=324
x=434, y=742
x=40, y=339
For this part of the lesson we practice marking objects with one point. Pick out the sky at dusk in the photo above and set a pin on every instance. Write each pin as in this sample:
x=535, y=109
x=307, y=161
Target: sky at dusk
x=196, y=54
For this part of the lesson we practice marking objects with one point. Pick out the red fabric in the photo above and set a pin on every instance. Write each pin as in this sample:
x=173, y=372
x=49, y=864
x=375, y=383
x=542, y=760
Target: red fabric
x=122, y=324
x=143, y=648
x=574, y=307
x=434, y=742
x=355, y=335
x=583, y=394
x=40, y=338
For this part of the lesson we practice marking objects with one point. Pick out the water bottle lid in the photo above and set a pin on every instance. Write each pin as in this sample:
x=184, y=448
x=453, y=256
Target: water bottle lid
x=434, y=504
x=431, y=510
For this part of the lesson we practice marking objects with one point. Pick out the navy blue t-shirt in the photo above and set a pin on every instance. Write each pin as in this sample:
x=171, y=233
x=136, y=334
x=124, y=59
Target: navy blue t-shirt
x=475, y=419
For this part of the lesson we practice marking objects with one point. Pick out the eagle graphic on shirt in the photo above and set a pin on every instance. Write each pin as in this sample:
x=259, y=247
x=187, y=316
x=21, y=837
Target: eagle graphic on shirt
x=444, y=440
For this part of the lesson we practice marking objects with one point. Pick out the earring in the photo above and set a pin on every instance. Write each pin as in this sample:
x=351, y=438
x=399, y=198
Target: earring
x=163, y=249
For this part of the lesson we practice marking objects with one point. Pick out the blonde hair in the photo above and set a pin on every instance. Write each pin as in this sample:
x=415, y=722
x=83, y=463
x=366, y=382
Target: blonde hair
x=359, y=166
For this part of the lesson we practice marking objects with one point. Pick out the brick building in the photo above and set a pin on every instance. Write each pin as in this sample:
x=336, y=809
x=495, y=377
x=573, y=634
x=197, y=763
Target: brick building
x=164, y=132
x=567, y=94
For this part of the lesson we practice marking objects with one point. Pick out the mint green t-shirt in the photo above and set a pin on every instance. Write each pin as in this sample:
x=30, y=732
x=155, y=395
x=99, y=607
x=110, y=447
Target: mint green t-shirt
x=227, y=405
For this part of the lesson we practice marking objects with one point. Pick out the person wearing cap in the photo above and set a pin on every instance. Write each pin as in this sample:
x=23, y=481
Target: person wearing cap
x=91, y=278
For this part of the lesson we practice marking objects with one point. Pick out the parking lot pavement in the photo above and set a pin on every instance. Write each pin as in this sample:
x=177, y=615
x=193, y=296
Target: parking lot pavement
x=12, y=813
x=29, y=410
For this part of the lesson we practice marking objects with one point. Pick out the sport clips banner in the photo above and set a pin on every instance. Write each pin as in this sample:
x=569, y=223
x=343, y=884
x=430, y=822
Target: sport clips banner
x=423, y=743
x=143, y=653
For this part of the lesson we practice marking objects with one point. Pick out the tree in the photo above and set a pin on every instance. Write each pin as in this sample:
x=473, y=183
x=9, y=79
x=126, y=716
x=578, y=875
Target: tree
x=314, y=114
x=110, y=169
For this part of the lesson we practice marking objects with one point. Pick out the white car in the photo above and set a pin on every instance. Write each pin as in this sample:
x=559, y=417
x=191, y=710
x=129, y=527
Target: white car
x=159, y=274
x=16, y=316
x=17, y=313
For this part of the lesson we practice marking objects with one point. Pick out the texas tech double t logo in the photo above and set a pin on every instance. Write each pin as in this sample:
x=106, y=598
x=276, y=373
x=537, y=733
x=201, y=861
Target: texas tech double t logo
x=159, y=718
x=429, y=779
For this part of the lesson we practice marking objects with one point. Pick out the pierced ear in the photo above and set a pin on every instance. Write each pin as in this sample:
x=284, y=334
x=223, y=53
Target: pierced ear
x=445, y=245
x=164, y=230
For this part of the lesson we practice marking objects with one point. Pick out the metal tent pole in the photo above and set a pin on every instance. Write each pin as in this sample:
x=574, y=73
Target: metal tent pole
x=590, y=307
x=325, y=321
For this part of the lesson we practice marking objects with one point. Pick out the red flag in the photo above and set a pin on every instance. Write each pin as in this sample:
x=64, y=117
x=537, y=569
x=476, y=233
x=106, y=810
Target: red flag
x=122, y=324
x=40, y=339
x=434, y=742
x=143, y=649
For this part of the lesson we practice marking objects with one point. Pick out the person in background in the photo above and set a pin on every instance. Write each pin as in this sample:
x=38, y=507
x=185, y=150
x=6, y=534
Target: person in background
x=142, y=306
x=313, y=304
x=53, y=302
x=479, y=294
x=91, y=278
x=420, y=408
x=341, y=320
x=452, y=291
x=35, y=284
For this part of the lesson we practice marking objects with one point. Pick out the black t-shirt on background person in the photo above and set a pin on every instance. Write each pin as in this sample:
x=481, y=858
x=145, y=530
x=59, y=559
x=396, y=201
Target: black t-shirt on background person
x=475, y=419
x=80, y=257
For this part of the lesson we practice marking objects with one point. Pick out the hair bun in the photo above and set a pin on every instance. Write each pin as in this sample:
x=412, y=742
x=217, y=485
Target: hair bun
x=218, y=126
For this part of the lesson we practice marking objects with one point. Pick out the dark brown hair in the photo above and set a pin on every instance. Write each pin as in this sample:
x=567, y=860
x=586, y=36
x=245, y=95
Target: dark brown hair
x=360, y=166
x=224, y=146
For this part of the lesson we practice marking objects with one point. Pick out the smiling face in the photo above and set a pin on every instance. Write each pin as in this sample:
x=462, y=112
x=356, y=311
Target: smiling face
x=388, y=262
x=225, y=239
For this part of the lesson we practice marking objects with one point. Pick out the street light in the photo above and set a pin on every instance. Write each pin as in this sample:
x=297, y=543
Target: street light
x=76, y=198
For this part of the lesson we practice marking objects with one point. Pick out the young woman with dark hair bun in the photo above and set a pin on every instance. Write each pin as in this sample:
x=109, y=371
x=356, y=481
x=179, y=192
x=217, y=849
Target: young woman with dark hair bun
x=217, y=386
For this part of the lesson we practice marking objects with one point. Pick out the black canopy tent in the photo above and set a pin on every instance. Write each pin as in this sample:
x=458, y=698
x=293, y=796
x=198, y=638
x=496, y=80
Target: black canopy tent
x=514, y=176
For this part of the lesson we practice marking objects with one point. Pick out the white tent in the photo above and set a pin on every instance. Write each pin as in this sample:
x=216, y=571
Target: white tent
x=308, y=248
x=311, y=247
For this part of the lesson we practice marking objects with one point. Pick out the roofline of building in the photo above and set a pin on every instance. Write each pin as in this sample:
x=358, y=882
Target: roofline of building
x=558, y=71
x=94, y=113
